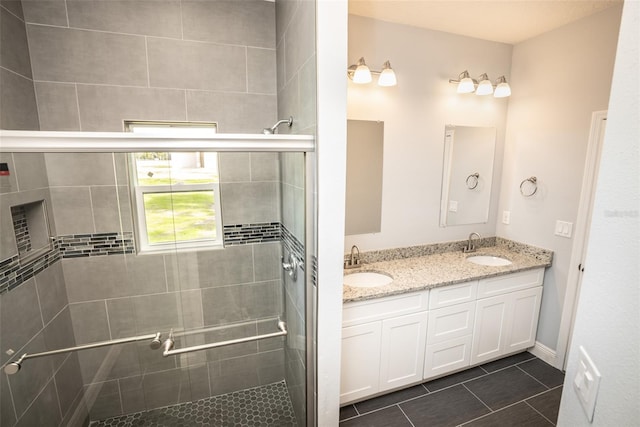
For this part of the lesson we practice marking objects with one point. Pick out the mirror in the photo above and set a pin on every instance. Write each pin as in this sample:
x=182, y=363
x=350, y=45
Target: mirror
x=467, y=175
x=365, y=143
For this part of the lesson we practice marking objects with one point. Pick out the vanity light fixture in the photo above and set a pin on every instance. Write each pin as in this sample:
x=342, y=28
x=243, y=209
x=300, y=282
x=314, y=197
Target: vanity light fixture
x=361, y=74
x=466, y=84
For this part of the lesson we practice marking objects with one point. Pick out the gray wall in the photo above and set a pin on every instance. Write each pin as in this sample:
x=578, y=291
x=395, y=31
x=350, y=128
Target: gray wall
x=98, y=63
x=17, y=96
x=296, y=76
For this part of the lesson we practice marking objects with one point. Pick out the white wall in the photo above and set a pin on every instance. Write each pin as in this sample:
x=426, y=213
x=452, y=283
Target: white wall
x=558, y=79
x=331, y=158
x=415, y=113
x=608, y=315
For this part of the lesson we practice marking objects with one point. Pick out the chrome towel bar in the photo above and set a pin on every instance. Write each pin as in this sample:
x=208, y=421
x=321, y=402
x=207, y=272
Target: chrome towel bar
x=14, y=367
x=170, y=351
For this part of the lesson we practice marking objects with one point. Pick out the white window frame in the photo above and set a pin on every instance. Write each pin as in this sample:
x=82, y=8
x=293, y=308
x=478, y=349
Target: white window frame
x=139, y=191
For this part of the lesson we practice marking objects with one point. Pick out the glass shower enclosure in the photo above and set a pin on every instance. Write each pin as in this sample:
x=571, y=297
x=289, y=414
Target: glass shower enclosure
x=158, y=280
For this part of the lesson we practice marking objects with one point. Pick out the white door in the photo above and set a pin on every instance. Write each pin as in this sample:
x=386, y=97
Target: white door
x=523, y=321
x=360, y=367
x=581, y=235
x=489, y=332
x=402, y=351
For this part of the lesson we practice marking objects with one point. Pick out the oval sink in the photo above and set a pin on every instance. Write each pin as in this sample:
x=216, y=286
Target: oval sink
x=367, y=279
x=489, y=260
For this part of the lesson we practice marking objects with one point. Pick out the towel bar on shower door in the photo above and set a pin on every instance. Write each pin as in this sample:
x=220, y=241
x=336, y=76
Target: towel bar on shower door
x=14, y=367
x=170, y=351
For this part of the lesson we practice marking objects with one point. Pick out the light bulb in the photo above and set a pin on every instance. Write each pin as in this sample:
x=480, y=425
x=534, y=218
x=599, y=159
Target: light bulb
x=387, y=76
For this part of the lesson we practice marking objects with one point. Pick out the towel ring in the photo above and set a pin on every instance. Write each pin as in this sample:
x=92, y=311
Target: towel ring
x=472, y=180
x=533, y=181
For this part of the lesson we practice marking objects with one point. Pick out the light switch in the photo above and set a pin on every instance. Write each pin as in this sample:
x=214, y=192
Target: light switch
x=564, y=229
x=586, y=383
x=453, y=206
x=506, y=217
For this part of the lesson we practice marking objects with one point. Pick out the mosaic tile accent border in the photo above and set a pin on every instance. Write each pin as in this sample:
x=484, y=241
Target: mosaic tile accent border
x=243, y=234
x=21, y=229
x=268, y=406
x=84, y=245
x=13, y=272
x=293, y=245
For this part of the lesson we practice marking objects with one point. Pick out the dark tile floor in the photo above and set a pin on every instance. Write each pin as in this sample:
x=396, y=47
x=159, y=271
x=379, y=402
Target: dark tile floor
x=520, y=390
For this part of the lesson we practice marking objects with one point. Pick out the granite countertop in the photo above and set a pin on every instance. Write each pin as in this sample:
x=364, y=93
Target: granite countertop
x=441, y=269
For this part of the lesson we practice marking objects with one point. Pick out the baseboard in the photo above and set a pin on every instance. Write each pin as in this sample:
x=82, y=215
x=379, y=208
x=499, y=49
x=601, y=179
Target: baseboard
x=543, y=352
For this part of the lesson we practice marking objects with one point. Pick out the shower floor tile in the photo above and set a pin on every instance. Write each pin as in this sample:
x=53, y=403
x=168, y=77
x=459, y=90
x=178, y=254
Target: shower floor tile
x=267, y=405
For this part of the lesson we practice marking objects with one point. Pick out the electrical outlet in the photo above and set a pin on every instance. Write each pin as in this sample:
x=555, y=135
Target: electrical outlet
x=586, y=383
x=506, y=217
x=564, y=229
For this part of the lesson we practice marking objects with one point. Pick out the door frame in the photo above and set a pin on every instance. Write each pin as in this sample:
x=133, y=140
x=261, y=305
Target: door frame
x=581, y=236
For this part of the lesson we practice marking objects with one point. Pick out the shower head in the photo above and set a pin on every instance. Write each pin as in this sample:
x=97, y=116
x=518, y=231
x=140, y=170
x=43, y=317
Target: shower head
x=272, y=129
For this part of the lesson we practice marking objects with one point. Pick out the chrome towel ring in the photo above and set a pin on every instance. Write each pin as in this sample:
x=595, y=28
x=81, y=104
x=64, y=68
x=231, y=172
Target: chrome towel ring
x=472, y=180
x=528, y=190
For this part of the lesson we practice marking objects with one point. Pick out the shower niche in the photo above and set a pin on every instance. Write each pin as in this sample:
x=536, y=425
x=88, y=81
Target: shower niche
x=31, y=229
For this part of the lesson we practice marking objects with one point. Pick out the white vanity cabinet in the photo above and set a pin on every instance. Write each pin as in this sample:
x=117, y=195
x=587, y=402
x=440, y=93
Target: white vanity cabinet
x=391, y=342
x=383, y=342
x=507, y=312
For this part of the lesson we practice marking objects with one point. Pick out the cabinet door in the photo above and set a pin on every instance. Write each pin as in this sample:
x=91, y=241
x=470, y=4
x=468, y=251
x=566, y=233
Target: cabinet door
x=360, y=361
x=402, y=350
x=523, y=324
x=489, y=333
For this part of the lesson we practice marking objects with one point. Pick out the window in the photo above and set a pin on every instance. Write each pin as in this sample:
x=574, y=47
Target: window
x=176, y=195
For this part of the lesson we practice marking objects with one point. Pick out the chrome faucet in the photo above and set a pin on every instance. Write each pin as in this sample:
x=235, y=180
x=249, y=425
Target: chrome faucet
x=354, y=258
x=470, y=246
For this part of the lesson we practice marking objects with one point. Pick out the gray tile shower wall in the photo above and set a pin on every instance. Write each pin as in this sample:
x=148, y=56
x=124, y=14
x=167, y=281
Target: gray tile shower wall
x=35, y=317
x=296, y=71
x=99, y=63
x=18, y=109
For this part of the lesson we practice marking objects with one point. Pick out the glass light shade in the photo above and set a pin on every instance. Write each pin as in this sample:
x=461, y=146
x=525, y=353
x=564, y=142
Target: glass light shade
x=466, y=85
x=485, y=87
x=362, y=74
x=502, y=90
x=387, y=76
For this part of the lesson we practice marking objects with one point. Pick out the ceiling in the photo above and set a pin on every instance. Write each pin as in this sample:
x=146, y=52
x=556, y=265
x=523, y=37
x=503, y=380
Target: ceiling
x=506, y=21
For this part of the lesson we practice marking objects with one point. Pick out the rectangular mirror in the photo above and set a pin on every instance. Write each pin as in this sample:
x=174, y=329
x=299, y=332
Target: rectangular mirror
x=467, y=175
x=365, y=144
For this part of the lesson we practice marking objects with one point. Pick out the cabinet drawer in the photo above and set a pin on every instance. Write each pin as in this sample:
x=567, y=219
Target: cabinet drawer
x=510, y=282
x=454, y=294
x=451, y=322
x=355, y=313
x=447, y=356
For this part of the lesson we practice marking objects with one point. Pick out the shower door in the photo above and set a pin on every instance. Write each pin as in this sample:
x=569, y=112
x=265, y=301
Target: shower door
x=100, y=279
